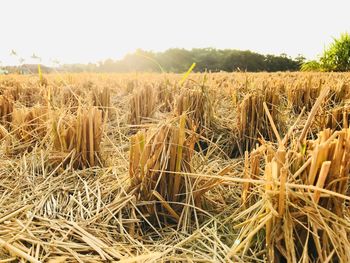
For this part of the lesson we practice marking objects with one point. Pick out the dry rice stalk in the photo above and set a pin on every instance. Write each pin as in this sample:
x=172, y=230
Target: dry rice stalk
x=102, y=99
x=70, y=98
x=28, y=95
x=158, y=163
x=253, y=121
x=6, y=108
x=340, y=92
x=335, y=119
x=79, y=135
x=328, y=169
x=323, y=164
x=282, y=192
x=166, y=96
x=195, y=102
x=323, y=94
x=30, y=124
x=143, y=104
x=303, y=95
x=251, y=171
x=299, y=214
x=13, y=92
x=333, y=150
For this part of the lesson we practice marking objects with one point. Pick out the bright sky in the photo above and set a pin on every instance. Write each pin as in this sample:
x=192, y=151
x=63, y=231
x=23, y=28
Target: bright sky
x=91, y=30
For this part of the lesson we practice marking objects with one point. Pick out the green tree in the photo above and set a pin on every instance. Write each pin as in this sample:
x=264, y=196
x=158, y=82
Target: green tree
x=337, y=56
x=312, y=65
x=179, y=60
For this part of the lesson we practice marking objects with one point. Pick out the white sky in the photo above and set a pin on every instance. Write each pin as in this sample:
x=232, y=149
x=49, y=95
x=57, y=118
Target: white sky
x=91, y=30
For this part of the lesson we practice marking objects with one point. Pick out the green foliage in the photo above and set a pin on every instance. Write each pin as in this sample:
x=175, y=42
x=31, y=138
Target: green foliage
x=335, y=58
x=312, y=65
x=207, y=59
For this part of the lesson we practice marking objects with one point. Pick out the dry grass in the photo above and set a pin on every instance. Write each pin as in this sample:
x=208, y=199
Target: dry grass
x=29, y=125
x=77, y=186
x=6, y=108
x=78, y=136
x=252, y=120
x=159, y=160
x=196, y=103
x=143, y=105
x=102, y=99
x=335, y=119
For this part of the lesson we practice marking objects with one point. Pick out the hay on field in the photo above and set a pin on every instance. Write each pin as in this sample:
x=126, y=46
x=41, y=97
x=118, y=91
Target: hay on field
x=102, y=99
x=196, y=104
x=253, y=123
x=79, y=136
x=159, y=161
x=143, y=105
x=77, y=190
x=29, y=125
x=6, y=108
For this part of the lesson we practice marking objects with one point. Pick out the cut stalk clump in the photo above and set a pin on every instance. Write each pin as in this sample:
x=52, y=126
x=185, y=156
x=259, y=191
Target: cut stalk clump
x=166, y=96
x=196, y=104
x=303, y=95
x=29, y=125
x=71, y=97
x=323, y=172
x=27, y=95
x=336, y=119
x=333, y=148
x=6, y=108
x=77, y=138
x=102, y=99
x=306, y=185
x=159, y=161
x=340, y=93
x=143, y=105
x=253, y=123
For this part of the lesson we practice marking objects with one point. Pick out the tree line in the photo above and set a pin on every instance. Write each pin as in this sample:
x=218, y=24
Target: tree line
x=178, y=60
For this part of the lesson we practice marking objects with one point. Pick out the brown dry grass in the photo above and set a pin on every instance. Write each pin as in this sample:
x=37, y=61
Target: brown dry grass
x=77, y=184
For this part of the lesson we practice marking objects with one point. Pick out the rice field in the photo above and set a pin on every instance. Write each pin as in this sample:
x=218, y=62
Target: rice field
x=221, y=167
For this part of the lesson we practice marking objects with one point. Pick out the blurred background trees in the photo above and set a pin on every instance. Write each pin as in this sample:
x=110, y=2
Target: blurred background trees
x=178, y=60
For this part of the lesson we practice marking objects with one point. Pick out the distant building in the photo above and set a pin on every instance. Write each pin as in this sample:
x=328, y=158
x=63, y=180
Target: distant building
x=3, y=72
x=26, y=69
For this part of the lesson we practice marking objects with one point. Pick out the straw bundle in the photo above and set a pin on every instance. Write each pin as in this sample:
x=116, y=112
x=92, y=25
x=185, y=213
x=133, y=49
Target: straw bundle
x=303, y=95
x=102, y=99
x=10, y=88
x=28, y=95
x=13, y=92
x=253, y=122
x=292, y=213
x=29, y=125
x=143, y=104
x=285, y=201
x=166, y=96
x=340, y=93
x=335, y=119
x=329, y=154
x=196, y=104
x=71, y=97
x=6, y=108
x=325, y=168
x=159, y=161
x=78, y=137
